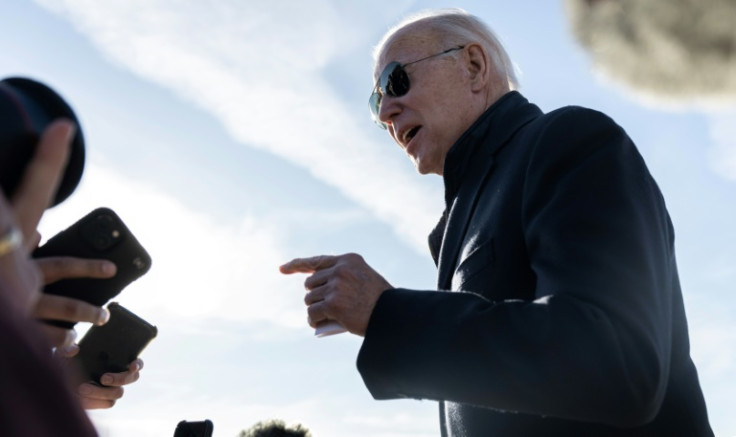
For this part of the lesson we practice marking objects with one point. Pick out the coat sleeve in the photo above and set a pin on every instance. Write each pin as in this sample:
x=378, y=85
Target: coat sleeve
x=594, y=344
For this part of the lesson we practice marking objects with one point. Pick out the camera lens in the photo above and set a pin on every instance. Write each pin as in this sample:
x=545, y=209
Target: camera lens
x=27, y=107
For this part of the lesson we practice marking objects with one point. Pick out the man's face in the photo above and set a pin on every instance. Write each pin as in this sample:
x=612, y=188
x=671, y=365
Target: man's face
x=427, y=120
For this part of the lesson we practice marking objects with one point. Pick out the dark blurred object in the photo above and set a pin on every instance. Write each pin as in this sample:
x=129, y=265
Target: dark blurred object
x=194, y=429
x=275, y=428
x=113, y=346
x=27, y=107
x=679, y=51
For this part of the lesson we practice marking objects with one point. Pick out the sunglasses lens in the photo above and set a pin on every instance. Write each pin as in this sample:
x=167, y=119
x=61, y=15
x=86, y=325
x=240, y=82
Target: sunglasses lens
x=395, y=81
x=375, y=104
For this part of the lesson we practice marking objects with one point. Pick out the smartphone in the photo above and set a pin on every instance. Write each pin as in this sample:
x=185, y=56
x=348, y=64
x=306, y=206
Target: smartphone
x=113, y=346
x=194, y=429
x=101, y=234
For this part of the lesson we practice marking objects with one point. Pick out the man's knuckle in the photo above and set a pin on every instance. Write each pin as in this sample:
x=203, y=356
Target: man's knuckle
x=331, y=303
x=311, y=312
x=341, y=270
x=353, y=257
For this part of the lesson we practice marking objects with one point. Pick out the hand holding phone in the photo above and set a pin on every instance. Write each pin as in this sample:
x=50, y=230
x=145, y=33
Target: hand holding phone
x=101, y=234
x=114, y=345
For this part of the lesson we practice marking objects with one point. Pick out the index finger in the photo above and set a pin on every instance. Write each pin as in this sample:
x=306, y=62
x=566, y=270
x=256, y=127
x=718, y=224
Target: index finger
x=52, y=307
x=308, y=265
x=66, y=267
x=42, y=176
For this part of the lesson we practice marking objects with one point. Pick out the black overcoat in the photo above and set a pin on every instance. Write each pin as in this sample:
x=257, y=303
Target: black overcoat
x=558, y=309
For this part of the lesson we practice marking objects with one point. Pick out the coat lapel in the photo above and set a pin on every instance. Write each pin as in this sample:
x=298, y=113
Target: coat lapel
x=493, y=133
x=458, y=219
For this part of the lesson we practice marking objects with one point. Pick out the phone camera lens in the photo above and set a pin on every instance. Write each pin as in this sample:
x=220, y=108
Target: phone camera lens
x=102, y=232
x=101, y=242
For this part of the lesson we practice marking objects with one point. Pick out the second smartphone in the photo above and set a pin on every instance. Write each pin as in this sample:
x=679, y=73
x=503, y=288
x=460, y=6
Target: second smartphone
x=114, y=345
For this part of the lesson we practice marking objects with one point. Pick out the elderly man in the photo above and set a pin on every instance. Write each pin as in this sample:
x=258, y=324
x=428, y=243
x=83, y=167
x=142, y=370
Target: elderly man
x=558, y=310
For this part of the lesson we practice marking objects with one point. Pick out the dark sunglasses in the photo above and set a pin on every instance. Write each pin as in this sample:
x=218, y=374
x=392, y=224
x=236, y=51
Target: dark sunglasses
x=394, y=82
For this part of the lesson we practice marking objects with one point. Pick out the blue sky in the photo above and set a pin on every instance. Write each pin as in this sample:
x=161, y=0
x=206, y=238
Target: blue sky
x=233, y=136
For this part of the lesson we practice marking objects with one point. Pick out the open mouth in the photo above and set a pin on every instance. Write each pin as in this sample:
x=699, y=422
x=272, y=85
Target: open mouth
x=411, y=133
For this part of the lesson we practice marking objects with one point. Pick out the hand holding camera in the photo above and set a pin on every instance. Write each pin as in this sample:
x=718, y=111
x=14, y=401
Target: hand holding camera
x=28, y=108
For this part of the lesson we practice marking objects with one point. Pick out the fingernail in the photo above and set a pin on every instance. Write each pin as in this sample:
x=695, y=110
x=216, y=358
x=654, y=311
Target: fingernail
x=103, y=317
x=69, y=338
x=106, y=379
x=109, y=268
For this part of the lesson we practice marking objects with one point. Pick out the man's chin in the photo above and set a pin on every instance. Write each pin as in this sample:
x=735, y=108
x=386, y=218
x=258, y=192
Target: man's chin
x=423, y=169
x=419, y=168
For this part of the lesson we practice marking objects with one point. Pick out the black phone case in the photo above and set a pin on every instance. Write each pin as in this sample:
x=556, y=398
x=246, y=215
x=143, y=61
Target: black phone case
x=114, y=345
x=194, y=429
x=101, y=234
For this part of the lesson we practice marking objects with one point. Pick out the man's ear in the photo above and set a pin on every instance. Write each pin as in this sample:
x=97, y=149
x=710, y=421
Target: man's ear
x=478, y=64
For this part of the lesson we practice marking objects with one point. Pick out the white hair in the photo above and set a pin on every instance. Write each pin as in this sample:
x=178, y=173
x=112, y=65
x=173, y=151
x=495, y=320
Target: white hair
x=461, y=27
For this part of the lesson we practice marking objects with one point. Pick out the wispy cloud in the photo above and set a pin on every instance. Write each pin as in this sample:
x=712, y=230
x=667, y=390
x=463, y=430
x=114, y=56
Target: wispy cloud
x=202, y=267
x=262, y=74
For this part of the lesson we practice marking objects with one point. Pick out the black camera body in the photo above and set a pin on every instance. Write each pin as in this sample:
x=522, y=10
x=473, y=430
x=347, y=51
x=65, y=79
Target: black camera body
x=27, y=107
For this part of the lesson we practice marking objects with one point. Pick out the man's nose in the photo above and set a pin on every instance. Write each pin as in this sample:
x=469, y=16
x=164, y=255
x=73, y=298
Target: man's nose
x=389, y=108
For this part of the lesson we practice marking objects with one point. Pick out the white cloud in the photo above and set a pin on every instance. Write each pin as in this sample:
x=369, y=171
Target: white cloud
x=202, y=267
x=259, y=69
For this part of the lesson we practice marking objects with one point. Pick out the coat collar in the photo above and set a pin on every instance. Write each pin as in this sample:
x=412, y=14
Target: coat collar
x=488, y=133
x=467, y=165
